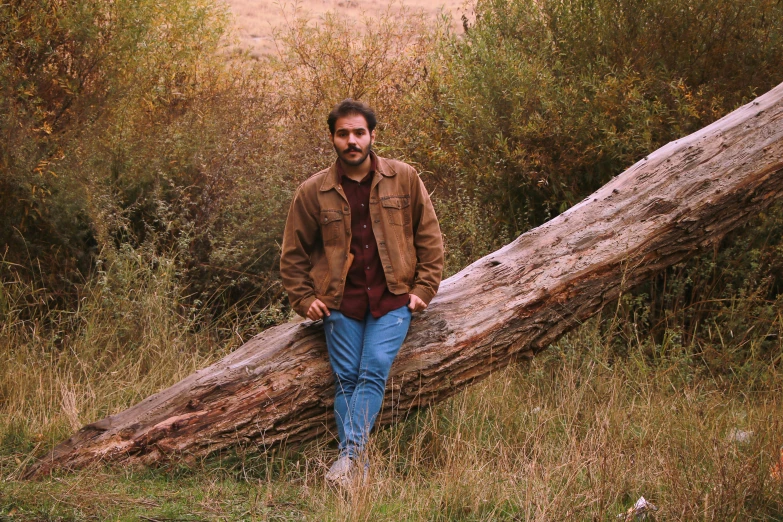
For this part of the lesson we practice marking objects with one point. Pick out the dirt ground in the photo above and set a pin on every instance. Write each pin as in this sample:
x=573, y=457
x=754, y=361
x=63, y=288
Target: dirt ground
x=257, y=19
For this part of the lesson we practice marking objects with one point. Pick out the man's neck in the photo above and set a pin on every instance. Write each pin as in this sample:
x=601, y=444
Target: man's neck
x=356, y=172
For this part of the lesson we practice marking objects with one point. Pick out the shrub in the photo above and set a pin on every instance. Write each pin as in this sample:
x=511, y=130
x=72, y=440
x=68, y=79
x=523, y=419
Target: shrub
x=128, y=126
x=76, y=78
x=542, y=102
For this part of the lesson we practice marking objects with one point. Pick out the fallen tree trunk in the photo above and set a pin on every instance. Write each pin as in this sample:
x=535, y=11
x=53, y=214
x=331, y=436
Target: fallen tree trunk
x=510, y=304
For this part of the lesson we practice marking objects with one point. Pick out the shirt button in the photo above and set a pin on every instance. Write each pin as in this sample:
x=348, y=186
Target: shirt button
x=366, y=246
x=362, y=204
x=368, y=268
x=368, y=288
x=364, y=226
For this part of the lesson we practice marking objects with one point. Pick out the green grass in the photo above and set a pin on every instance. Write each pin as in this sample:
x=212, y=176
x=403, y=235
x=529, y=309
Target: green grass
x=576, y=434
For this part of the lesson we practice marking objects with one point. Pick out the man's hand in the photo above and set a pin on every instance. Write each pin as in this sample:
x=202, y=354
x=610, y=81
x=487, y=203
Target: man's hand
x=317, y=310
x=416, y=304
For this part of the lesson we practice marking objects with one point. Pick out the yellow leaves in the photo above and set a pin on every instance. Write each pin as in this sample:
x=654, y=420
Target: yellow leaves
x=45, y=128
x=44, y=164
x=40, y=167
x=42, y=192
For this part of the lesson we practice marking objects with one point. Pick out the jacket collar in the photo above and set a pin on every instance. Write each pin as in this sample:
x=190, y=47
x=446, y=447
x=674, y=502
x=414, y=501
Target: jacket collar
x=332, y=178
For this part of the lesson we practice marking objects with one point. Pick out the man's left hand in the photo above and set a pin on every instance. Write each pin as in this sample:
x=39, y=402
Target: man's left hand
x=416, y=304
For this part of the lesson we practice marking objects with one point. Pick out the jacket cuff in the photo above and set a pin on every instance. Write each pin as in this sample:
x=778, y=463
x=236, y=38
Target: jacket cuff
x=423, y=293
x=304, y=305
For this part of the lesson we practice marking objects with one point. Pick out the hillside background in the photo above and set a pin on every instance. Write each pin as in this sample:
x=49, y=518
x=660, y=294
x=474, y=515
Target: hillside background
x=149, y=154
x=256, y=21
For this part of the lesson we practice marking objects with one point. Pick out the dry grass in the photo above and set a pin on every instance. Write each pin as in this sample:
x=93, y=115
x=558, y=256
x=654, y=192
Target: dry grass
x=129, y=336
x=577, y=434
x=256, y=21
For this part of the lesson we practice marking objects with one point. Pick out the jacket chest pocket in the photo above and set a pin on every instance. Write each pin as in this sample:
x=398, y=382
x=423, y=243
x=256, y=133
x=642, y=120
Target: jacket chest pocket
x=332, y=228
x=397, y=209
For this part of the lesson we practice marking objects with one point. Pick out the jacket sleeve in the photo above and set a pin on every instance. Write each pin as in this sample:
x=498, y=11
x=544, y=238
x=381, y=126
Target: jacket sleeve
x=427, y=241
x=300, y=234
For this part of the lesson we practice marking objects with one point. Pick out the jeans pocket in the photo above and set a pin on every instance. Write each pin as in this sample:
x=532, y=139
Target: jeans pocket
x=404, y=312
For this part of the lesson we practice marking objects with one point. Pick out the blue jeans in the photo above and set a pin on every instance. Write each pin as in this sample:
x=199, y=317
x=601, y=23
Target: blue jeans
x=361, y=354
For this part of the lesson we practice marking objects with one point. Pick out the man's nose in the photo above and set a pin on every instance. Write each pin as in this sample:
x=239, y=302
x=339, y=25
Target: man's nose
x=352, y=138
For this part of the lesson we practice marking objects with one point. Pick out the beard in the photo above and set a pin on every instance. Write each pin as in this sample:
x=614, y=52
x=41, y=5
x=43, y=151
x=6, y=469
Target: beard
x=343, y=155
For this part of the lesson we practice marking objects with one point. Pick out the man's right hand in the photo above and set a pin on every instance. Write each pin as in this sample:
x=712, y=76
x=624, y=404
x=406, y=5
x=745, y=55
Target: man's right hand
x=317, y=310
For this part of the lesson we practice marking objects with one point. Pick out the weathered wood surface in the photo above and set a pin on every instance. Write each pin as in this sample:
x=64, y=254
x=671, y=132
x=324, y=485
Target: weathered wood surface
x=510, y=304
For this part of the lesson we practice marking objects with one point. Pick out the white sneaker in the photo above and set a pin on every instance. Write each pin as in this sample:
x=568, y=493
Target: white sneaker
x=340, y=472
x=344, y=473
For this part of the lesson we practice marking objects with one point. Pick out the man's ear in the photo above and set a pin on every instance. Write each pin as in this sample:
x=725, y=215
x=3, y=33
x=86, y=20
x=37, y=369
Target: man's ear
x=372, y=136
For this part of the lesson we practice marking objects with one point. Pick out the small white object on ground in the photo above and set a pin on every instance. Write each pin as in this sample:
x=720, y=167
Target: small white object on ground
x=738, y=435
x=639, y=511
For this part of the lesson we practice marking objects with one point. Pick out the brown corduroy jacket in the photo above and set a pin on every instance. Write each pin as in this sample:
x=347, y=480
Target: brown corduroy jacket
x=316, y=243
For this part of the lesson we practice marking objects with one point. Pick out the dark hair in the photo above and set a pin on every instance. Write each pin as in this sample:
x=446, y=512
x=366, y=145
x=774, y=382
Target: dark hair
x=349, y=107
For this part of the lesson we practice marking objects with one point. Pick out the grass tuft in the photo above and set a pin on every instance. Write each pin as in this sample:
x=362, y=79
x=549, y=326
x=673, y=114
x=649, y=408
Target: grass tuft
x=581, y=432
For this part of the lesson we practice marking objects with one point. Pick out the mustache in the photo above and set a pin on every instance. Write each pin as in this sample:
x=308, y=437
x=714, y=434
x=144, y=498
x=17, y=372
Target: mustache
x=352, y=149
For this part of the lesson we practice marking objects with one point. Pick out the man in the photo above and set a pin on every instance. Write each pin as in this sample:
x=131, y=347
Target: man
x=362, y=250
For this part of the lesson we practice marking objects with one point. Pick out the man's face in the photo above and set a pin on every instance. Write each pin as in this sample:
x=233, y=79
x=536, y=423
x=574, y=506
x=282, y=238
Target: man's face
x=352, y=140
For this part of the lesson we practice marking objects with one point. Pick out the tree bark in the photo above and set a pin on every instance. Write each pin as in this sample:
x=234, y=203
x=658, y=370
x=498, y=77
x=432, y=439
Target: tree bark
x=512, y=303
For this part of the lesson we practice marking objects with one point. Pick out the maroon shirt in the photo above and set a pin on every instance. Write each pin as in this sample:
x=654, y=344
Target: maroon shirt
x=365, y=286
